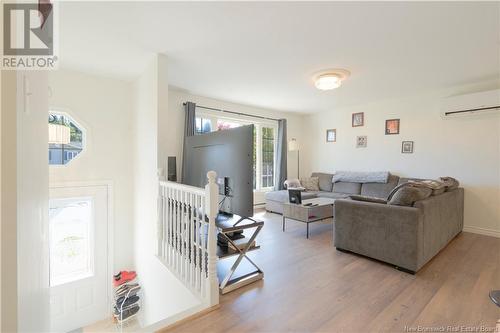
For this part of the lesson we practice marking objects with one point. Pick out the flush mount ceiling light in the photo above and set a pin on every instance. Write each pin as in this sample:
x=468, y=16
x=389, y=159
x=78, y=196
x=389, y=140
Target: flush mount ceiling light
x=330, y=79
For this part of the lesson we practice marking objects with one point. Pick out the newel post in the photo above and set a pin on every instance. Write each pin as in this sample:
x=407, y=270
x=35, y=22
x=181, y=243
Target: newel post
x=212, y=197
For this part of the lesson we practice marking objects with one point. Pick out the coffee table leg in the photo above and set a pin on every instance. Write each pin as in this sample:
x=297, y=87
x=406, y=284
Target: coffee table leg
x=307, y=232
x=283, y=223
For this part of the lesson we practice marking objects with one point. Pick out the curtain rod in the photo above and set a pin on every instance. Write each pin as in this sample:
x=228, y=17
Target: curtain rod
x=473, y=110
x=232, y=112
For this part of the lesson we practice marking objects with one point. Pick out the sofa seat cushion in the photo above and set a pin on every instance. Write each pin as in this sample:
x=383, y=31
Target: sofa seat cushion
x=347, y=188
x=325, y=181
x=333, y=195
x=282, y=196
x=368, y=199
x=379, y=190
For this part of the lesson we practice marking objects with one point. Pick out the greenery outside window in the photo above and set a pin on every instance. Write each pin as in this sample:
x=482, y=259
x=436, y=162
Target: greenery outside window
x=268, y=139
x=63, y=153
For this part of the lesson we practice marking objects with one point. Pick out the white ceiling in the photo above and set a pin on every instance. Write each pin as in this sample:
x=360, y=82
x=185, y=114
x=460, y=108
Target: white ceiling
x=264, y=54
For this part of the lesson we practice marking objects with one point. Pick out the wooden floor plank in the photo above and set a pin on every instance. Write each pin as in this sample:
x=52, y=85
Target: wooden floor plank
x=311, y=287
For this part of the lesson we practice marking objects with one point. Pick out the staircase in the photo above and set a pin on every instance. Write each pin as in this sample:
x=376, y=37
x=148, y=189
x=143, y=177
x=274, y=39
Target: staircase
x=187, y=236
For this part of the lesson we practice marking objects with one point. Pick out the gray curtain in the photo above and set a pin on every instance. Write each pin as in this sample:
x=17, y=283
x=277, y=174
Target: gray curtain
x=281, y=155
x=189, y=130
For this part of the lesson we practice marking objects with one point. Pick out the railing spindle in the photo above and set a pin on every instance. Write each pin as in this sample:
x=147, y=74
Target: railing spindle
x=187, y=236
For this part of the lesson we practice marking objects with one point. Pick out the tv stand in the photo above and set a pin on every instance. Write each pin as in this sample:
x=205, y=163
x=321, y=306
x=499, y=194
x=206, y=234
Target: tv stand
x=224, y=217
x=228, y=226
x=241, y=219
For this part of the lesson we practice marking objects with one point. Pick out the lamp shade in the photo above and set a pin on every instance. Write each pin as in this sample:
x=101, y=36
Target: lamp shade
x=59, y=134
x=293, y=145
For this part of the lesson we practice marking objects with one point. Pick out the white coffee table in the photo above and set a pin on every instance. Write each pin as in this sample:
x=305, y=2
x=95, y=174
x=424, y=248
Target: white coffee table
x=322, y=209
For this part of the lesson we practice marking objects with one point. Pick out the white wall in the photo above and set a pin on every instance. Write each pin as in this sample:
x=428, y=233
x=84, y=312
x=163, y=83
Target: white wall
x=9, y=203
x=163, y=295
x=104, y=107
x=25, y=301
x=32, y=202
x=465, y=148
x=176, y=124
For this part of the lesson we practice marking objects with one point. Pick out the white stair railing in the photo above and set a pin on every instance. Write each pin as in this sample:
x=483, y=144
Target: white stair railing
x=187, y=235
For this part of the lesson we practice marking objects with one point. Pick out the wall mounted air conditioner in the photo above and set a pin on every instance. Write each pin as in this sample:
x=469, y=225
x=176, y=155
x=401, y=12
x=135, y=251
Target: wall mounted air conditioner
x=485, y=102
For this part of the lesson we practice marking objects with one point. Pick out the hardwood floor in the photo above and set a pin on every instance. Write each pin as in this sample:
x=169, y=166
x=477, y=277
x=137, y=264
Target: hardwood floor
x=311, y=287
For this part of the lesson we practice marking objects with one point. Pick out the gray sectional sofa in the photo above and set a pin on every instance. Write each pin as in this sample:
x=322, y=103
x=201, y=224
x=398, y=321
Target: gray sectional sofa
x=340, y=190
x=404, y=236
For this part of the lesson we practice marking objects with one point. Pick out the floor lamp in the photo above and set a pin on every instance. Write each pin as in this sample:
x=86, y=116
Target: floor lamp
x=293, y=145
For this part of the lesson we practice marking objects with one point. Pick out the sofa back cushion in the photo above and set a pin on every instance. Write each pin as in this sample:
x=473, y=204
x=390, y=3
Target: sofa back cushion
x=346, y=187
x=378, y=190
x=325, y=181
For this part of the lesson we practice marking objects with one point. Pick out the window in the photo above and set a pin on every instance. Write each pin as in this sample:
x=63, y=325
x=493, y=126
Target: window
x=255, y=157
x=224, y=124
x=66, y=138
x=203, y=126
x=70, y=240
x=267, y=157
x=264, y=140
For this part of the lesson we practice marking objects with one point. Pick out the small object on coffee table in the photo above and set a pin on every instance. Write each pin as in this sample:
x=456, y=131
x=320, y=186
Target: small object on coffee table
x=295, y=196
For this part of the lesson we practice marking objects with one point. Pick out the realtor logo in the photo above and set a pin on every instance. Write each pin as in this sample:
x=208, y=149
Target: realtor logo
x=28, y=36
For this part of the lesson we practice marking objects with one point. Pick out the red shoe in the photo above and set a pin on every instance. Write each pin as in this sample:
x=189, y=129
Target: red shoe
x=123, y=277
x=117, y=276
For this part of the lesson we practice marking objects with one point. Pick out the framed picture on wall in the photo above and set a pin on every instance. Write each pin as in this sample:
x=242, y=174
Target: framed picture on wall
x=361, y=141
x=392, y=126
x=407, y=147
x=331, y=135
x=358, y=119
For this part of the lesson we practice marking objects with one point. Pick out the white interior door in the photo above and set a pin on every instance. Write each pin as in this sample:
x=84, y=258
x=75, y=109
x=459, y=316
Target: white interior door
x=78, y=238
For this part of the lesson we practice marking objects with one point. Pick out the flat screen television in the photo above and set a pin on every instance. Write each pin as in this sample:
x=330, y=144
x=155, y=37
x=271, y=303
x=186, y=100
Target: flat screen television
x=230, y=154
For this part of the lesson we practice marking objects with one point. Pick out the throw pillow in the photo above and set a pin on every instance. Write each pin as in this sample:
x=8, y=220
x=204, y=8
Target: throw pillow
x=450, y=183
x=292, y=183
x=436, y=186
x=407, y=194
x=368, y=199
x=310, y=184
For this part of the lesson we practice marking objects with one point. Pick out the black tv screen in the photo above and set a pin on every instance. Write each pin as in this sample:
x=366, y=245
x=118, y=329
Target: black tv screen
x=230, y=154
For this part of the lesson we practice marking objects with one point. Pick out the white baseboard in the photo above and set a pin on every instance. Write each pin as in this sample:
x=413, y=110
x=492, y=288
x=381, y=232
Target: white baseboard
x=482, y=231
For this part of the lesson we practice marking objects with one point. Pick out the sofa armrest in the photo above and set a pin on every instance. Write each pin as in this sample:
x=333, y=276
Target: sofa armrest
x=443, y=218
x=384, y=232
